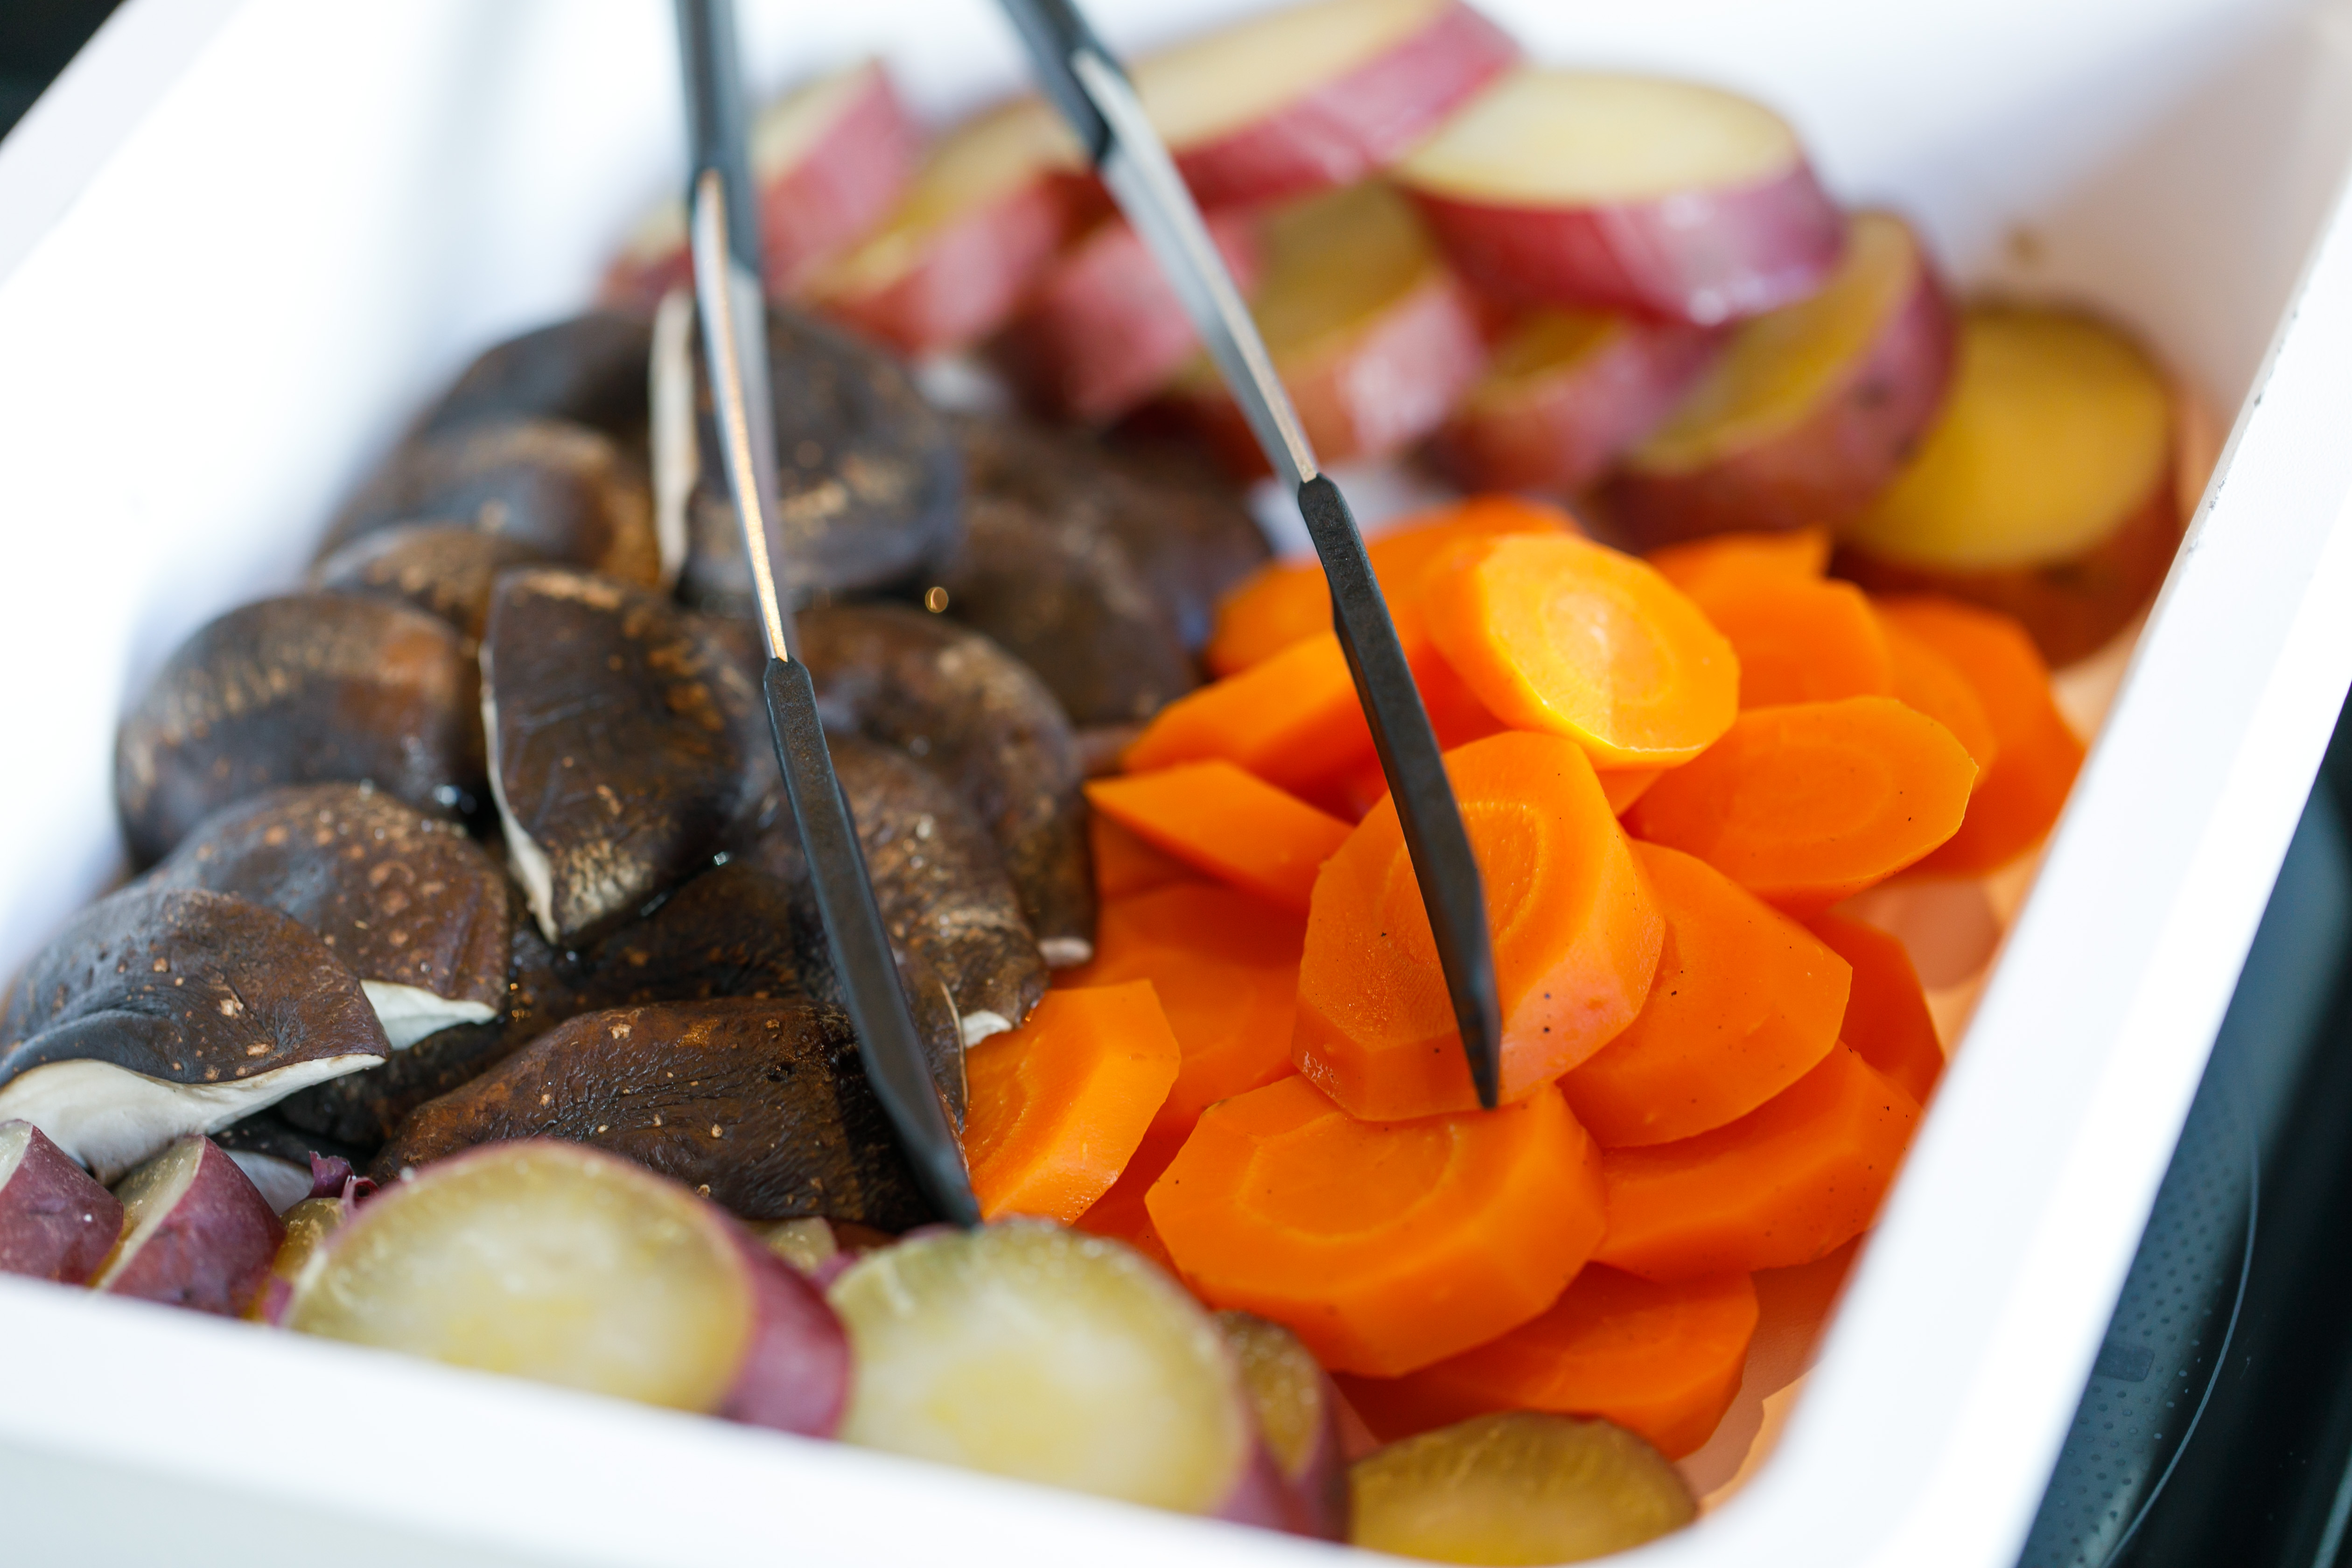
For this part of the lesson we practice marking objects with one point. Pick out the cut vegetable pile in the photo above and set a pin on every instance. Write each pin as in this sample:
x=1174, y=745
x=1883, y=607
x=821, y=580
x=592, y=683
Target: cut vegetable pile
x=472, y=1001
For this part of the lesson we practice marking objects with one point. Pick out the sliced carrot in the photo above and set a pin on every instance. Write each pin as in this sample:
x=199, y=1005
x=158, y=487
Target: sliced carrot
x=1624, y=786
x=1800, y=639
x=1662, y=1360
x=1288, y=600
x=1811, y=802
x=1745, y=1002
x=2026, y=787
x=1294, y=721
x=1225, y=966
x=1384, y=1245
x=1455, y=711
x=1933, y=684
x=1125, y=865
x=1237, y=828
x=1782, y=1185
x=1119, y=1213
x=1799, y=553
x=1576, y=938
x=1886, y=1022
x=1058, y=1105
x=1555, y=633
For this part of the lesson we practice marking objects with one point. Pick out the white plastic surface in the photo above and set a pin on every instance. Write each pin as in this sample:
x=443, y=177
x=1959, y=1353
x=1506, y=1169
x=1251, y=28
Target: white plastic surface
x=240, y=242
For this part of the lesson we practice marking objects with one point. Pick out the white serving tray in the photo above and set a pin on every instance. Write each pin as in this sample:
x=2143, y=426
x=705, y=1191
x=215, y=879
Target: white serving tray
x=241, y=240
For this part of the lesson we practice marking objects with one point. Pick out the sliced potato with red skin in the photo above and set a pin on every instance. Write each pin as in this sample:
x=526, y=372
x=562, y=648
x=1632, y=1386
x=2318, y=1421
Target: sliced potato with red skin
x=1810, y=412
x=196, y=1233
x=1049, y=1356
x=830, y=159
x=56, y=1221
x=2049, y=489
x=1302, y=98
x=1566, y=394
x=1297, y=1412
x=1624, y=192
x=1103, y=331
x=563, y=1265
x=1374, y=338
x=980, y=224
x=1517, y=1487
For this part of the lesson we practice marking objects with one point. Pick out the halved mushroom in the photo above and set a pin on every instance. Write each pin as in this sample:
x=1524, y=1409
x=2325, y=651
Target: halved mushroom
x=938, y=877
x=589, y=369
x=760, y=1105
x=569, y=492
x=307, y=688
x=616, y=733
x=441, y=568
x=412, y=905
x=165, y=1011
x=869, y=484
x=983, y=721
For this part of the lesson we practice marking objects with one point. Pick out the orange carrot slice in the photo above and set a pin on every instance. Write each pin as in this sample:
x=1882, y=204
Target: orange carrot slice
x=1926, y=680
x=1125, y=865
x=1886, y=1022
x=1558, y=634
x=1811, y=802
x=1119, y=1213
x=1624, y=786
x=2026, y=787
x=1782, y=1185
x=1294, y=721
x=1237, y=828
x=1745, y=1002
x=1576, y=937
x=1287, y=601
x=1802, y=554
x=1384, y=1245
x=1662, y=1360
x=1225, y=966
x=1058, y=1105
x=1799, y=639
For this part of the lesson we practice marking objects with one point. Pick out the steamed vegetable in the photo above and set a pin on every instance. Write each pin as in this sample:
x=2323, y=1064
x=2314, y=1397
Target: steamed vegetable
x=562, y=1264
x=1800, y=639
x=1887, y=1019
x=442, y=568
x=588, y=369
x=1384, y=1245
x=196, y=1233
x=55, y=1222
x=1240, y=830
x=1297, y=1415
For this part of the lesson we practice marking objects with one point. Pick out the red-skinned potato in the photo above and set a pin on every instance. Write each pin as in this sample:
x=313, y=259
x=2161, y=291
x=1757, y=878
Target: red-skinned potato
x=1103, y=331
x=1810, y=412
x=980, y=223
x=561, y=1264
x=1566, y=392
x=56, y=1221
x=2049, y=489
x=830, y=159
x=1304, y=99
x=1626, y=194
x=1297, y=1412
x=1374, y=338
x=196, y=1233
x=1024, y=1350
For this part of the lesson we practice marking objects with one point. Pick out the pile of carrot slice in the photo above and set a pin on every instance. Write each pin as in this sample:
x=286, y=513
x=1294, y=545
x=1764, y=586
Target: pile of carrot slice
x=1671, y=772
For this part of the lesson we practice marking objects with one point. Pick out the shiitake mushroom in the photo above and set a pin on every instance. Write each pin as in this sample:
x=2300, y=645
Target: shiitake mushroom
x=568, y=492
x=760, y=1105
x=869, y=483
x=441, y=568
x=982, y=720
x=589, y=370
x=938, y=878
x=617, y=733
x=161, y=1012
x=410, y=903
x=305, y=689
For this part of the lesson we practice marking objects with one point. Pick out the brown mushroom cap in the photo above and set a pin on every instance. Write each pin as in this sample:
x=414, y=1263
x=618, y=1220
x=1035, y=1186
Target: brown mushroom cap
x=305, y=689
x=616, y=730
x=415, y=908
x=165, y=1011
x=589, y=369
x=762, y=1106
x=443, y=569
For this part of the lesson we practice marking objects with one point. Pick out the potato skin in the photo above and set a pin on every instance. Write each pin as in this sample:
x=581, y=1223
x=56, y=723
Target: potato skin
x=55, y=1222
x=760, y=1105
x=210, y=1252
x=307, y=688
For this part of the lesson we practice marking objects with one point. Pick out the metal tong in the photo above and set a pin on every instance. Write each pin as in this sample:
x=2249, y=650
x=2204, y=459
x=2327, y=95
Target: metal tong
x=725, y=236
x=1086, y=83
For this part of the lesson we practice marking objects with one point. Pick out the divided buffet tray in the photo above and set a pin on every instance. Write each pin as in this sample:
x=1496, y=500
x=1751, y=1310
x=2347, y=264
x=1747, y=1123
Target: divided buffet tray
x=240, y=240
